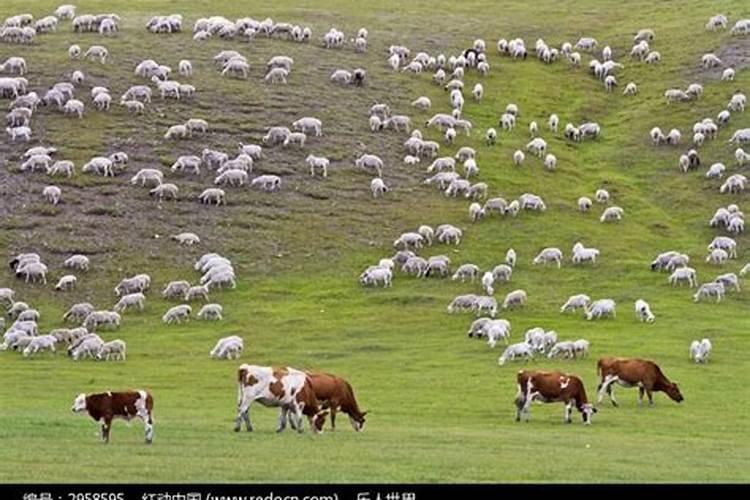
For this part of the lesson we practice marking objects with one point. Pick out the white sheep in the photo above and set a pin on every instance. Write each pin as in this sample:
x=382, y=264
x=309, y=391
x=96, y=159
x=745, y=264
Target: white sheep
x=518, y=157
x=575, y=302
x=378, y=187
x=601, y=308
x=66, y=283
x=643, y=311
x=177, y=314
x=115, y=349
x=612, y=214
x=549, y=254
x=513, y=351
x=228, y=348
x=211, y=312
x=708, y=290
x=213, y=196
x=40, y=343
x=515, y=298
x=700, y=351
x=130, y=300
x=682, y=274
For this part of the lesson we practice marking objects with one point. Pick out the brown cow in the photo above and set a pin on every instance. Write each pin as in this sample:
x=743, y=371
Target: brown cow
x=631, y=372
x=106, y=406
x=550, y=387
x=335, y=393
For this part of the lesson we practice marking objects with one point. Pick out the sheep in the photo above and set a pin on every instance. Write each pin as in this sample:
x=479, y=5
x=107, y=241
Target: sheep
x=228, y=348
x=33, y=271
x=236, y=67
x=175, y=289
x=370, y=162
x=422, y=103
x=612, y=214
x=16, y=308
x=130, y=300
x=515, y=298
x=448, y=234
x=179, y=131
x=513, y=351
x=116, y=349
x=478, y=327
x=717, y=256
x=601, y=308
x=675, y=95
x=643, y=311
x=496, y=329
x=736, y=225
x=548, y=255
x=518, y=157
x=724, y=243
x=485, y=304
x=378, y=187
x=427, y=233
x=582, y=255
x=458, y=186
x=610, y=82
x=66, y=283
x=100, y=319
x=550, y=161
x=87, y=346
x=74, y=107
x=682, y=274
x=476, y=212
x=211, y=312
x=700, y=351
x=740, y=136
x=397, y=122
x=708, y=290
x=487, y=281
x=341, y=77
x=7, y=296
x=507, y=121
x=78, y=312
x=409, y=240
x=737, y=103
x=40, y=343
x=575, y=302
x=734, y=184
x=465, y=271
x=716, y=22
x=36, y=162
x=565, y=348
x=715, y=171
x=177, y=314
x=24, y=133
x=729, y=280
x=528, y=201
x=710, y=61
x=502, y=273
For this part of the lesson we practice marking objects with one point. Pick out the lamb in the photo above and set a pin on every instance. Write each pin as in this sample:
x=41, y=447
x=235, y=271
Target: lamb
x=582, y=254
x=463, y=303
x=514, y=299
x=179, y=131
x=177, y=314
x=16, y=308
x=377, y=274
x=513, y=351
x=496, y=329
x=149, y=176
x=518, y=157
x=700, y=351
x=550, y=254
x=708, y=290
x=78, y=312
x=74, y=107
x=710, y=61
x=7, y=296
x=684, y=274
x=575, y=302
x=612, y=214
x=734, y=184
x=213, y=196
x=601, y=308
x=116, y=349
x=36, y=162
x=528, y=201
x=130, y=300
x=40, y=343
x=24, y=133
x=737, y=103
x=427, y=233
x=66, y=283
x=175, y=289
x=643, y=311
x=236, y=67
x=33, y=271
x=228, y=348
x=565, y=348
x=232, y=177
x=449, y=234
x=490, y=137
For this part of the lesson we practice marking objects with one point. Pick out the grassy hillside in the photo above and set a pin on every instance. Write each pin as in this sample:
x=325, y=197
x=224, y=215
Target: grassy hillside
x=440, y=408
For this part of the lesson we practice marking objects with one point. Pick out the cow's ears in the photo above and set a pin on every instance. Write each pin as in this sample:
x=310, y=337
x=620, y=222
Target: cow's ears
x=364, y=413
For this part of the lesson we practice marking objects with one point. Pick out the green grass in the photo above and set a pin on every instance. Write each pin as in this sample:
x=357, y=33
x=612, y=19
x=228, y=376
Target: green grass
x=440, y=408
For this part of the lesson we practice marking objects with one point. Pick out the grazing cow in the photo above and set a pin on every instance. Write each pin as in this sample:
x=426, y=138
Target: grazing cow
x=335, y=392
x=106, y=406
x=551, y=387
x=282, y=387
x=631, y=372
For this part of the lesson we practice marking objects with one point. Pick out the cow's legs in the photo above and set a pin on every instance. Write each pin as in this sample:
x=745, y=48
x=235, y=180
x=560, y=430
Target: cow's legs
x=333, y=417
x=106, y=427
x=297, y=415
x=148, y=422
x=606, y=386
x=650, y=397
x=243, y=414
x=641, y=390
x=568, y=409
x=282, y=419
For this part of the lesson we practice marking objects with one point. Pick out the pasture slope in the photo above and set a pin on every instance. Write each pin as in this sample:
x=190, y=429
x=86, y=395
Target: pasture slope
x=441, y=409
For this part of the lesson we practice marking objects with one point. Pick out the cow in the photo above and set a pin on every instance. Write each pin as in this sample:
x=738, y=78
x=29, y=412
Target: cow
x=631, y=372
x=106, y=406
x=335, y=392
x=283, y=387
x=551, y=387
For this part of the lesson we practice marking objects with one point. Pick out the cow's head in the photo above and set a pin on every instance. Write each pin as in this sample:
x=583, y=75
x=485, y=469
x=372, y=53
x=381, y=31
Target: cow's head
x=587, y=410
x=358, y=421
x=673, y=391
x=318, y=421
x=79, y=404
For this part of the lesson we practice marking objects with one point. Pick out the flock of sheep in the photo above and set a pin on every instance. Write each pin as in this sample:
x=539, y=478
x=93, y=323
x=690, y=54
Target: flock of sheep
x=234, y=171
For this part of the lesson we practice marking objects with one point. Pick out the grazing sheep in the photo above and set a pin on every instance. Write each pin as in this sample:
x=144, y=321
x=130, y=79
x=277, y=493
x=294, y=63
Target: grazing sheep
x=130, y=300
x=87, y=346
x=516, y=298
x=177, y=314
x=466, y=271
x=612, y=214
x=682, y=274
x=213, y=196
x=724, y=243
x=528, y=201
x=548, y=255
x=78, y=312
x=601, y=308
x=550, y=161
x=487, y=281
x=729, y=280
x=643, y=311
x=40, y=343
x=228, y=348
x=463, y=303
x=575, y=302
x=66, y=283
x=52, y=194
x=196, y=292
x=177, y=131
x=584, y=204
x=700, y=351
x=708, y=290
x=518, y=157
x=116, y=349
x=717, y=256
x=100, y=319
x=513, y=351
x=211, y=312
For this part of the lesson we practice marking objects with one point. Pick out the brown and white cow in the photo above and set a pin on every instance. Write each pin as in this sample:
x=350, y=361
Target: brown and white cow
x=106, y=406
x=335, y=392
x=550, y=387
x=632, y=372
x=282, y=387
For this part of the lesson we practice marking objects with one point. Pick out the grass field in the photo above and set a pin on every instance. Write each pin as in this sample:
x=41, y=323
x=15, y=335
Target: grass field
x=440, y=407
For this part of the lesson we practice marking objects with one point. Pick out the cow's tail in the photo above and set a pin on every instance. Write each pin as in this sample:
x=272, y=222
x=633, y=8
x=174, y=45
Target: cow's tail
x=241, y=376
x=599, y=368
